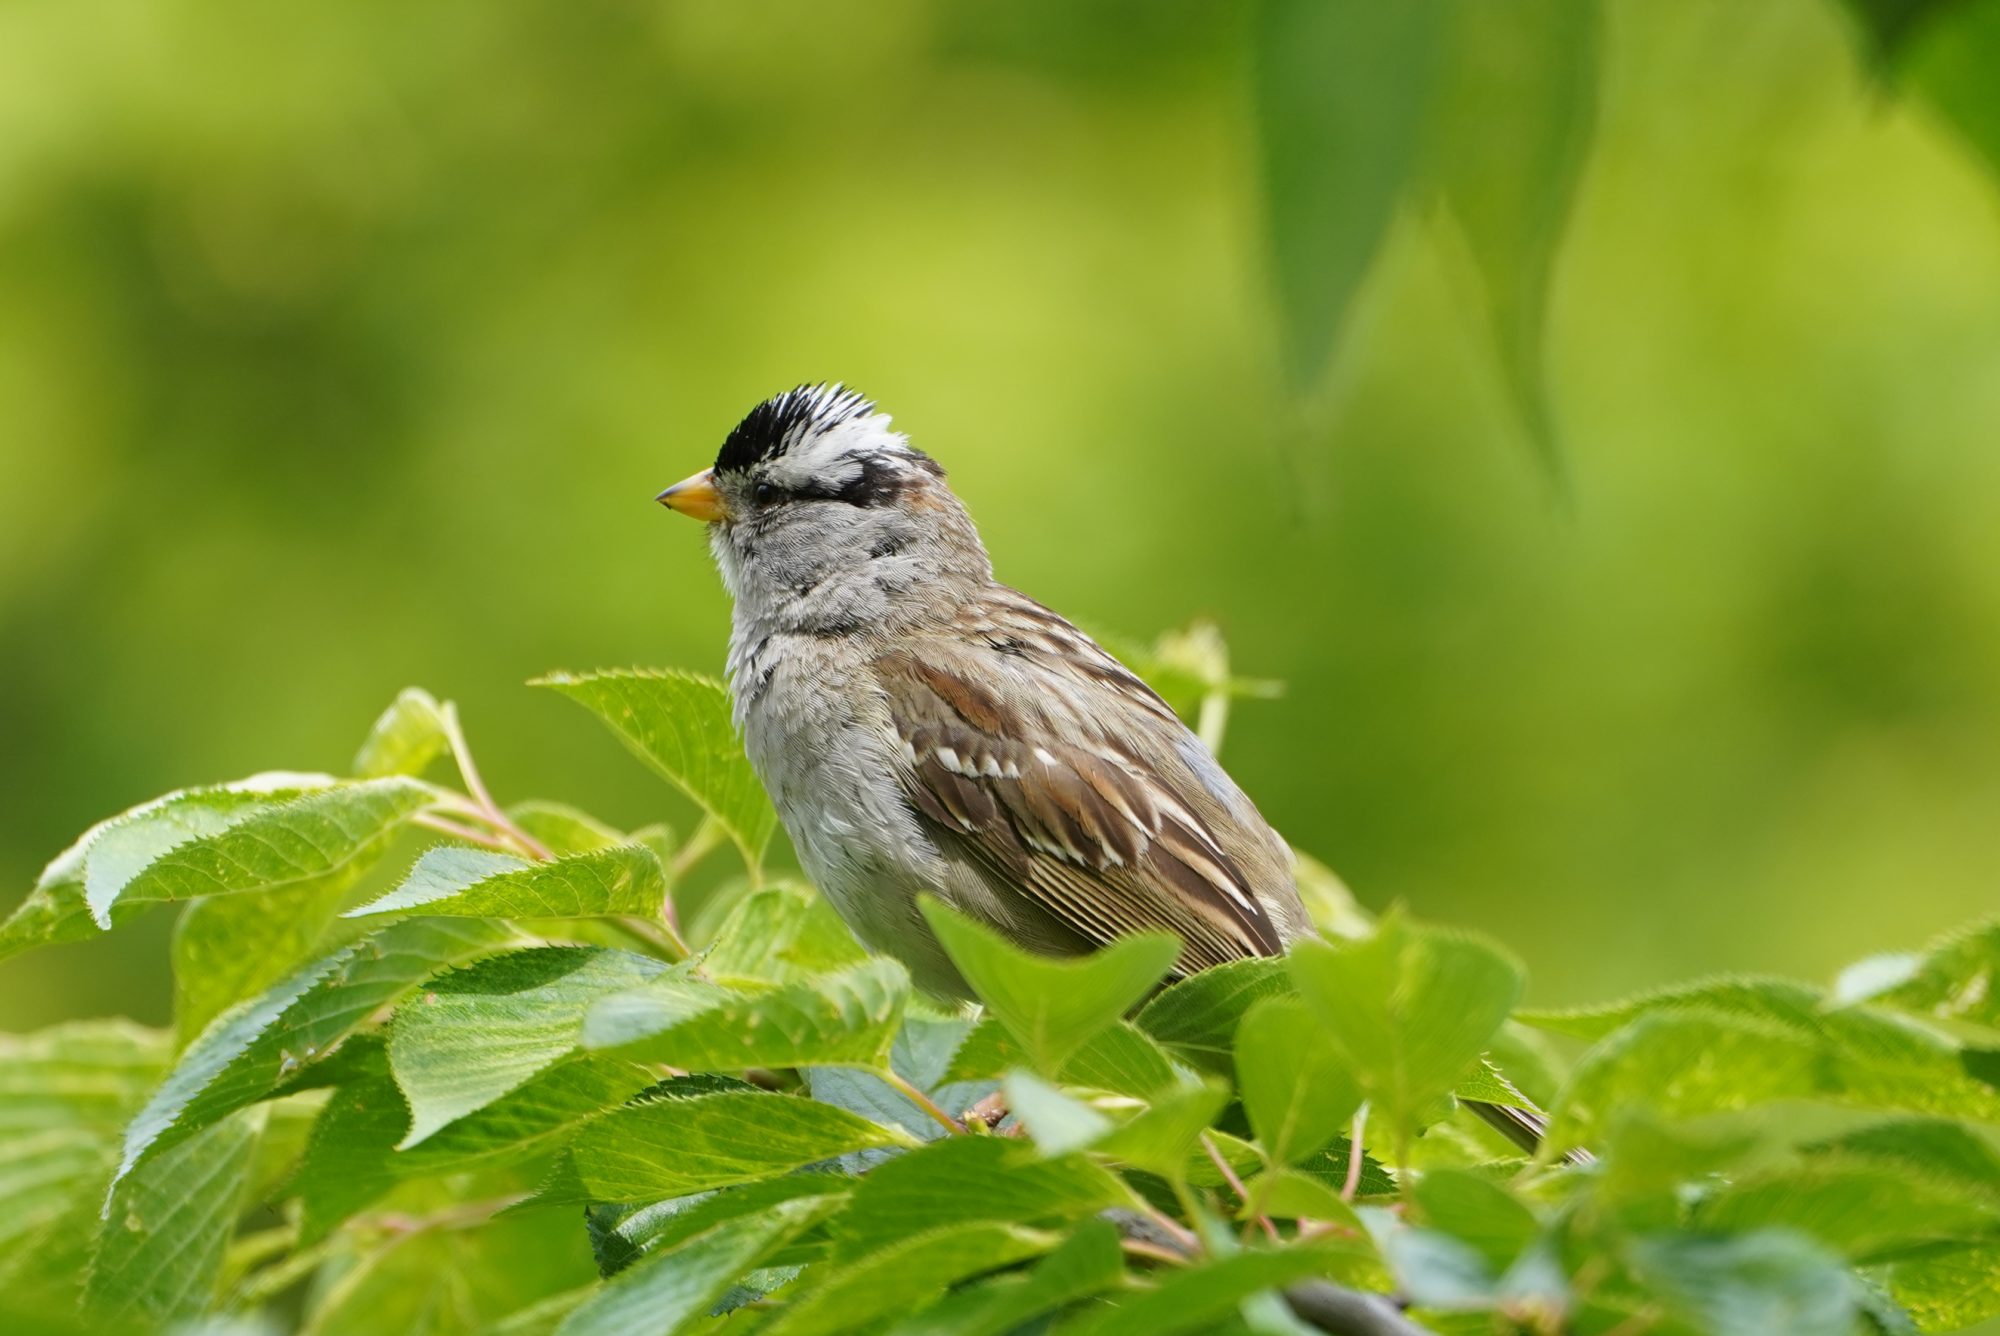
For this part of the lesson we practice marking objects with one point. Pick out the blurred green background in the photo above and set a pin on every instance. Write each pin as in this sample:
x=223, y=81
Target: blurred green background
x=344, y=347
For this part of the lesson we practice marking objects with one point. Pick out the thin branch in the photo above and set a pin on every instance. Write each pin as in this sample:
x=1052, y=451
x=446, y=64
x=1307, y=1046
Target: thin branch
x=1230, y=1177
x=917, y=1097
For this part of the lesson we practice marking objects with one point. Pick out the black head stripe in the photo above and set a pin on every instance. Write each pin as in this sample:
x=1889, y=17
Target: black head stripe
x=780, y=423
x=876, y=482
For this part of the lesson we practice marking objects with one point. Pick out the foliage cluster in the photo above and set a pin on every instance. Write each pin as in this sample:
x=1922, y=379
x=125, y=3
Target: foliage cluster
x=532, y=1083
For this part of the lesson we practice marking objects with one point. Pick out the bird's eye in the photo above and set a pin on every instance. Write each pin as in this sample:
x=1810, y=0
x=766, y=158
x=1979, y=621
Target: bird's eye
x=766, y=493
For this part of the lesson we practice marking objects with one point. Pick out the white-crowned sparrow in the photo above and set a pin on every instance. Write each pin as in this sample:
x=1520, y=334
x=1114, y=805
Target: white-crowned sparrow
x=923, y=728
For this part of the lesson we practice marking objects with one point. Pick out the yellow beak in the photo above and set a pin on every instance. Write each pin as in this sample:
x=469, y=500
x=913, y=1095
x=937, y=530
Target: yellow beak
x=696, y=497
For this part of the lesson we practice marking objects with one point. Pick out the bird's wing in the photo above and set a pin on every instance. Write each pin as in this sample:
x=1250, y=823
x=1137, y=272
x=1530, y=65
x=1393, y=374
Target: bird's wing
x=1022, y=743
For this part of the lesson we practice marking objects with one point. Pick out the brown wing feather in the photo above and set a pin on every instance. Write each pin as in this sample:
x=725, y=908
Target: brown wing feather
x=1100, y=841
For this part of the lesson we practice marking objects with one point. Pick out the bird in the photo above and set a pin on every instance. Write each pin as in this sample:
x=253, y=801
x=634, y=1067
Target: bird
x=924, y=729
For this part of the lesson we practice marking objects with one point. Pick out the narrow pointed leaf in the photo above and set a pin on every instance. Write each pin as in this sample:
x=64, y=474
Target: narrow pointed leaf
x=1342, y=87
x=844, y=1019
x=623, y=880
x=671, y=1147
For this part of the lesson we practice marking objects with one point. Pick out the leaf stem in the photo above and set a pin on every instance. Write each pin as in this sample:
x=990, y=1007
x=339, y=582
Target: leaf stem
x=909, y=1091
x=1230, y=1176
x=458, y=832
x=462, y=754
x=1354, y=1155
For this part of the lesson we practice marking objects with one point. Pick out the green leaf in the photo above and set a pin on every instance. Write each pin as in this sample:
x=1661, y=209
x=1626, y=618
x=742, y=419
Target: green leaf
x=903, y=1276
x=165, y=855
x=1478, y=1213
x=668, y=1147
x=1057, y=1122
x=1853, y=1205
x=1854, y=1055
x=1118, y=1058
x=352, y=1158
x=1511, y=130
x=1412, y=1007
x=1197, y=1017
x=55, y=910
x=781, y=934
x=679, y=724
x=1160, y=1138
x=406, y=739
x=1769, y=1283
x=298, y=1021
x=1052, y=1007
x=165, y=1227
x=674, y=1289
x=844, y=1019
x=229, y=947
x=1945, y=1291
x=65, y=1095
x=477, y=1033
x=960, y=1180
x=570, y=830
x=1087, y=1263
x=1201, y=1298
x=1342, y=87
x=1295, y=1082
x=622, y=1232
x=623, y=880
x=1954, y=979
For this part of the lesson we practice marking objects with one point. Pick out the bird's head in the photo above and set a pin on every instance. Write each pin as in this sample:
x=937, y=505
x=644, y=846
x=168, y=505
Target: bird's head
x=820, y=515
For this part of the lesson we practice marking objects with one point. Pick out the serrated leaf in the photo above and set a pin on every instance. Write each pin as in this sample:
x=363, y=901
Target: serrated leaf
x=352, y=1157
x=1197, y=1017
x=65, y=1095
x=1118, y=1058
x=477, y=1033
x=1510, y=131
x=165, y=1227
x=1856, y=1055
x=1412, y=1008
x=229, y=947
x=1086, y=1263
x=781, y=934
x=1052, y=1007
x=408, y=736
x=671, y=1147
x=632, y=1230
x=1295, y=1083
x=56, y=910
x=1855, y=1206
x=1342, y=89
x=623, y=880
x=679, y=724
x=845, y=1019
x=902, y=1276
x=920, y=1053
x=1954, y=979
x=264, y=847
x=1945, y=1291
x=675, y=1288
x=1770, y=1283
x=961, y=1180
x=243, y=1055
